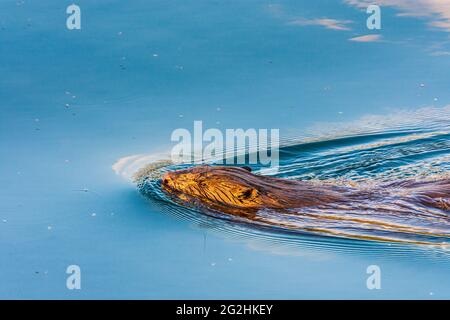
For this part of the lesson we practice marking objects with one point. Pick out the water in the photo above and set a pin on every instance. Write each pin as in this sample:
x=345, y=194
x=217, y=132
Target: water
x=76, y=102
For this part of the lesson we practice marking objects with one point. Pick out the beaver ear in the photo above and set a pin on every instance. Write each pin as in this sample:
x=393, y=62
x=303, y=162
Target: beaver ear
x=247, y=168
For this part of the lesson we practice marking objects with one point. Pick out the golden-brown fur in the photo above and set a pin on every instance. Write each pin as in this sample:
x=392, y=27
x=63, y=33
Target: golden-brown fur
x=237, y=191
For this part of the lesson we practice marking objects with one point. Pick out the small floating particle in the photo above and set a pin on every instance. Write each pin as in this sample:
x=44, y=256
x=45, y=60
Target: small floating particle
x=155, y=55
x=422, y=85
x=36, y=120
x=218, y=109
x=181, y=116
x=49, y=227
x=119, y=33
x=67, y=92
x=93, y=214
x=340, y=112
x=73, y=97
x=230, y=259
x=67, y=105
x=435, y=99
x=213, y=264
x=431, y=293
x=66, y=161
x=4, y=221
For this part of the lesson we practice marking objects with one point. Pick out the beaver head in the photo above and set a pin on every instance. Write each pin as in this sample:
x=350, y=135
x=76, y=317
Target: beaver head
x=217, y=186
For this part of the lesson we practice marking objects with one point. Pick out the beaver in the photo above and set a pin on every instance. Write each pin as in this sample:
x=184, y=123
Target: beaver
x=238, y=191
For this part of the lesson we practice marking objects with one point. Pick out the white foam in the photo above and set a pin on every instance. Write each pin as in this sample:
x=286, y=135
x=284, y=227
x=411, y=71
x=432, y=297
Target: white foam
x=127, y=166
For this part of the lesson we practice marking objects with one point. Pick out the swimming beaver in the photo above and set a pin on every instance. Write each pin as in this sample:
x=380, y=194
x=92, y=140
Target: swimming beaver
x=236, y=190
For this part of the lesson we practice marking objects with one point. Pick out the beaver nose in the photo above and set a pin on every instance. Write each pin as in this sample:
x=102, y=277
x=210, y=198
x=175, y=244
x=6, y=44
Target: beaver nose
x=166, y=178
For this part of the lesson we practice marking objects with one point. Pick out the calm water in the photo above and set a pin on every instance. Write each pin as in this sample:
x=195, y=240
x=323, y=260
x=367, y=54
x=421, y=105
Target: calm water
x=75, y=102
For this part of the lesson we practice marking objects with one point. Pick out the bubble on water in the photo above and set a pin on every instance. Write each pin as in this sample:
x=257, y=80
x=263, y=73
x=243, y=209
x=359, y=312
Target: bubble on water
x=213, y=264
x=155, y=55
x=4, y=221
x=93, y=214
x=49, y=227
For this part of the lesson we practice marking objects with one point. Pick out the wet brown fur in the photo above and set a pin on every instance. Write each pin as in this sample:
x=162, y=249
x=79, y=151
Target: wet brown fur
x=236, y=190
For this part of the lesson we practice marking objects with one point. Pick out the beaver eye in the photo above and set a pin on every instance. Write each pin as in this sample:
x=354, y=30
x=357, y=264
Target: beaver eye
x=202, y=183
